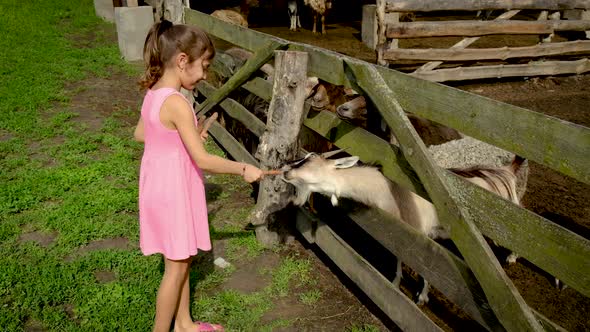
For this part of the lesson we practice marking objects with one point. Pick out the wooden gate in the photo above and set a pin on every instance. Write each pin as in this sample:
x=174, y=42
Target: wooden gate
x=491, y=62
x=476, y=284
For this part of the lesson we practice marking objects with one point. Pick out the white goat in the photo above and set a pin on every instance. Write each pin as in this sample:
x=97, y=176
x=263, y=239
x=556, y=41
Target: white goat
x=340, y=178
x=293, y=15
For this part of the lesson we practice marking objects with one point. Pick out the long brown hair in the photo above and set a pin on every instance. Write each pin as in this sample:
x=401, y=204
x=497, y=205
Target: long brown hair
x=164, y=41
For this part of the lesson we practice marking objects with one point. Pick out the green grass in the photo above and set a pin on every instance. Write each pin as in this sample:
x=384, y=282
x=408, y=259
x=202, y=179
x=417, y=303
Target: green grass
x=59, y=177
x=291, y=270
x=310, y=297
x=364, y=328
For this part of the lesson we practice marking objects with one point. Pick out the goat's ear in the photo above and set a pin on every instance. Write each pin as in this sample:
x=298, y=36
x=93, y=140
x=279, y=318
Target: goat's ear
x=346, y=162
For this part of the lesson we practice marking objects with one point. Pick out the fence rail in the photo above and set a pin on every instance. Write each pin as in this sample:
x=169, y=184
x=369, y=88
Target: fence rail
x=559, y=144
x=426, y=5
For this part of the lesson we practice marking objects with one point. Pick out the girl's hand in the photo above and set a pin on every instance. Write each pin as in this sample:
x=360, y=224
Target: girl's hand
x=252, y=173
x=258, y=174
x=204, y=125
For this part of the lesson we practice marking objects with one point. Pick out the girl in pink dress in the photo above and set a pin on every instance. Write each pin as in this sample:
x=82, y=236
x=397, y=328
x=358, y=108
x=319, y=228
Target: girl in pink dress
x=172, y=207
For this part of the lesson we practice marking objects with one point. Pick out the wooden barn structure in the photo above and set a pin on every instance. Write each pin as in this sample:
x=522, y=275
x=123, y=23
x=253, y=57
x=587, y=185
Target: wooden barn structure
x=476, y=283
x=545, y=54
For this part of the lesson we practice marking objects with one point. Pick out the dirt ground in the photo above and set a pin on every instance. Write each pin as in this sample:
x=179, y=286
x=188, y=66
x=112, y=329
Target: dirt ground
x=556, y=197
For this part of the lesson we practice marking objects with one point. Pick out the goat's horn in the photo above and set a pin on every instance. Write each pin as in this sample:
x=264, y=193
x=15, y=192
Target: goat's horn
x=332, y=153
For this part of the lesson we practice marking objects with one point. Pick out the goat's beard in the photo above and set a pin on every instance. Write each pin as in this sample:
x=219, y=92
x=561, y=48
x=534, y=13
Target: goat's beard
x=301, y=196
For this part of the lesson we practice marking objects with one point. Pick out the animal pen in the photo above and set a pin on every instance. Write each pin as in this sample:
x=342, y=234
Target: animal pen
x=536, y=53
x=477, y=283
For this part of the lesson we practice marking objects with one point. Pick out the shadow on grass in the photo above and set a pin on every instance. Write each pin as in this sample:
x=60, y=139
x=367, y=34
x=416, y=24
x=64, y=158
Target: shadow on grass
x=212, y=191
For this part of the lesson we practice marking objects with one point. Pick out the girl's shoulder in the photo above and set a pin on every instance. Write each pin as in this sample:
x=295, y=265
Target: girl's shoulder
x=177, y=101
x=166, y=95
x=176, y=108
x=164, y=91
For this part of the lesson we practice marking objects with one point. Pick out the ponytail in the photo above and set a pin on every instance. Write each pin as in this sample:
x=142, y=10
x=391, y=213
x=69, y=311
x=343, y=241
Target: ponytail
x=164, y=41
x=152, y=54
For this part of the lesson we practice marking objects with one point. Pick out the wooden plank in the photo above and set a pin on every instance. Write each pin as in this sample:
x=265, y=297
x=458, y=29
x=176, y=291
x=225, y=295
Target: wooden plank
x=259, y=58
x=557, y=250
x=389, y=299
x=500, y=53
x=259, y=87
x=305, y=225
x=231, y=145
x=481, y=28
x=324, y=64
x=534, y=68
x=428, y=5
x=382, y=41
x=507, y=303
x=441, y=268
x=467, y=41
x=235, y=110
x=233, y=33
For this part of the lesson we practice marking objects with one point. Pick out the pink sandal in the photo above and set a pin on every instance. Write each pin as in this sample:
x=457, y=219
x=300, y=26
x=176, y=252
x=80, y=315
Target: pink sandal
x=208, y=327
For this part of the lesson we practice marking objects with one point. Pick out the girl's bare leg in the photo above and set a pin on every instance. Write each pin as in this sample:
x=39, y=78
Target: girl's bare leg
x=183, y=320
x=182, y=316
x=169, y=293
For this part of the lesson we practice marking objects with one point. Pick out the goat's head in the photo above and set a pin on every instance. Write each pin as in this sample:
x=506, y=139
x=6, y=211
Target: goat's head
x=315, y=173
x=320, y=100
x=355, y=109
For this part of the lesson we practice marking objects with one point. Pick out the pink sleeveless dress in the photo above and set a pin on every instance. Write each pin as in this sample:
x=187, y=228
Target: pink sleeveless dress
x=172, y=207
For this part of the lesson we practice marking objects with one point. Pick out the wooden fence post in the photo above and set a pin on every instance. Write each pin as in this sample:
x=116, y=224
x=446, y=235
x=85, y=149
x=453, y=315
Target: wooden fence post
x=174, y=11
x=278, y=144
x=381, y=42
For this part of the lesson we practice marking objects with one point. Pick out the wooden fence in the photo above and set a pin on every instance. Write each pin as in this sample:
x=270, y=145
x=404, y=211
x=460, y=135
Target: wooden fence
x=476, y=284
x=491, y=61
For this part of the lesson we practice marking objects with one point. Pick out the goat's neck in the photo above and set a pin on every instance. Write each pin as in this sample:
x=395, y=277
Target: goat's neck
x=369, y=186
x=366, y=185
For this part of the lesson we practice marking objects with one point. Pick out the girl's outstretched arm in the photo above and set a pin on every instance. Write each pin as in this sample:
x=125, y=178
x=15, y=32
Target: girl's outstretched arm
x=139, y=133
x=177, y=113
